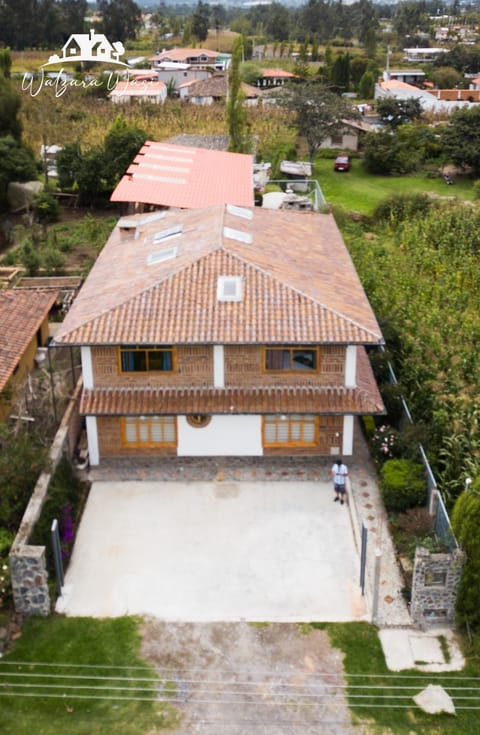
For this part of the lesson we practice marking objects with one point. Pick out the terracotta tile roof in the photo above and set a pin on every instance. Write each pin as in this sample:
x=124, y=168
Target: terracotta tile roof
x=278, y=74
x=21, y=315
x=183, y=176
x=138, y=88
x=217, y=86
x=330, y=400
x=184, y=54
x=299, y=283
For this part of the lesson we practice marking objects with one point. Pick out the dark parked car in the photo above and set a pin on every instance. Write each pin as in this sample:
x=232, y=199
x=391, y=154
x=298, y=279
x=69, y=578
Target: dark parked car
x=342, y=163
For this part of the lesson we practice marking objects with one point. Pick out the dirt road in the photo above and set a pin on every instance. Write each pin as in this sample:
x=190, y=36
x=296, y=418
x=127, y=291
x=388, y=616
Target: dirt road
x=238, y=678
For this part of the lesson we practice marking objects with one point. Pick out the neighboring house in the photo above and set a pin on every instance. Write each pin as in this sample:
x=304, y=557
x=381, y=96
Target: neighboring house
x=409, y=76
x=431, y=101
x=423, y=55
x=215, y=89
x=223, y=331
x=200, y=57
x=178, y=74
x=349, y=137
x=275, y=78
x=23, y=330
x=163, y=174
x=139, y=90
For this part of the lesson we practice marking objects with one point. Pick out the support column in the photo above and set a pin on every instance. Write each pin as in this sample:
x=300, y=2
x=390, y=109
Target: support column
x=347, y=448
x=351, y=366
x=92, y=438
x=218, y=366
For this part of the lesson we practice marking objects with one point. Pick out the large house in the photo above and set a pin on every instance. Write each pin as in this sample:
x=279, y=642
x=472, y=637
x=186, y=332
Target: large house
x=223, y=331
x=198, y=57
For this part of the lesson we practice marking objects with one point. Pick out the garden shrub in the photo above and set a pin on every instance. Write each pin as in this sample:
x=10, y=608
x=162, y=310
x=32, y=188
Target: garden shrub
x=46, y=207
x=384, y=444
x=399, y=207
x=466, y=526
x=402, y=484
x=368, y=423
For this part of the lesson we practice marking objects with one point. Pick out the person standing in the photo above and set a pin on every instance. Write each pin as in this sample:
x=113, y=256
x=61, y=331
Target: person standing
x=339, y=474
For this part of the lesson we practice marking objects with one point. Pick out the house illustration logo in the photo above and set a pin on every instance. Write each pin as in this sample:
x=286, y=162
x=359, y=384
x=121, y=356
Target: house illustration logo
x=89, y=47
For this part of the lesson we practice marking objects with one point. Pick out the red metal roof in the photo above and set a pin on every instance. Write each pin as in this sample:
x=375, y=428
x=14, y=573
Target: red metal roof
x=190, y=178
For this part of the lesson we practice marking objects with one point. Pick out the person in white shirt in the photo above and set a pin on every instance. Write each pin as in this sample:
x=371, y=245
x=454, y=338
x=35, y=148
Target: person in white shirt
x=339, y=474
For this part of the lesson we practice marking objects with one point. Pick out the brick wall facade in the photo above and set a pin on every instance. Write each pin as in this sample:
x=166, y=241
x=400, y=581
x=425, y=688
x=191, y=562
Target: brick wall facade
x=243, y=366
x=194, y=367
x=330, y=437
x=110, y=442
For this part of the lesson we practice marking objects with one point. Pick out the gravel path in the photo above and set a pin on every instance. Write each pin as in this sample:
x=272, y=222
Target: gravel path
x=265, y=679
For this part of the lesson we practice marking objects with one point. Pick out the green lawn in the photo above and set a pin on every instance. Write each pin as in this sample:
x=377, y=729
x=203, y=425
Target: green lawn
x=359, y=191
x=379, y=696
x=101, y=688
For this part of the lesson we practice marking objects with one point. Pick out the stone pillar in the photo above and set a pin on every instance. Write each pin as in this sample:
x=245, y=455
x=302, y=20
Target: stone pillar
x=30, y=580
x=434, y=587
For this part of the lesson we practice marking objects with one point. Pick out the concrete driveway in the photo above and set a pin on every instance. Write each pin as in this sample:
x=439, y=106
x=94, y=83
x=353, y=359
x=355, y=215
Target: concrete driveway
x=210, y=551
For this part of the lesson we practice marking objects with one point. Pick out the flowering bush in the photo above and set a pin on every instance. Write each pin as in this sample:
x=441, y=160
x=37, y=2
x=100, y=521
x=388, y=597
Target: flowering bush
x=6, y=539
x=5, y=586
x=384, y=444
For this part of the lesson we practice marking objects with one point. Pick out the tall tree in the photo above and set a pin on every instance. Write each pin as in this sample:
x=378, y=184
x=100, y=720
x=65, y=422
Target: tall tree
x=201, y=21
x=461, y=138
x=319, y=113
x=5, y=62
x=395, y=112
x=121, y=18
x=236, y=114
x=9, y=109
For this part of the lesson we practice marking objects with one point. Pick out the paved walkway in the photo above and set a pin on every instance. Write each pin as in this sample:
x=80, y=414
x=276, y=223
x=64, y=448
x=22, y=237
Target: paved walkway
x=365, y=502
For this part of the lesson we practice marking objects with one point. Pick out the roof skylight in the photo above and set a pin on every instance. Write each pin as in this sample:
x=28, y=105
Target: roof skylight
x=167, y=233
x=162, y=255
x=238, y=235
x=240, y=211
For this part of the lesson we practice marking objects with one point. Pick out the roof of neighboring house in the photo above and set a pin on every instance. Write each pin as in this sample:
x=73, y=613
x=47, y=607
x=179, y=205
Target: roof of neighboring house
x=138, y=88
x=170, y=175
x=183, y=54
x=299, y=285
x=278, y=74
x=217, y=86
x=21, y=315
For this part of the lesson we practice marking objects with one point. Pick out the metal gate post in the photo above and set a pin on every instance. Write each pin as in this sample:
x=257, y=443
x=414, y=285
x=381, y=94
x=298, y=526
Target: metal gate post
x=363, y=556
x=57, y=556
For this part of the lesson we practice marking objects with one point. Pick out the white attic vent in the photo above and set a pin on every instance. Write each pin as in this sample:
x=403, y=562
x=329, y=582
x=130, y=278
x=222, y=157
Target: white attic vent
x=162, y=255
x=237, y=235
x=229, y=288
x=167, y=233
x=240, y=211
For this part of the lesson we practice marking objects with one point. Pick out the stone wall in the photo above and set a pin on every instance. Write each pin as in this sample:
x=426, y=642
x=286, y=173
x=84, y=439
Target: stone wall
x=28, y=570
x=434, y=587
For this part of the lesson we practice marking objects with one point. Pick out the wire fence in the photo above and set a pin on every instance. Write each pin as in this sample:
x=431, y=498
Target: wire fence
x=441, y=521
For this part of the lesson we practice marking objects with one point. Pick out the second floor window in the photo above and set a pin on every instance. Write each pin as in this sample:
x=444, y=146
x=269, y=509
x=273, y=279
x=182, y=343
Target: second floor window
x=291, y=359
x=146, y=358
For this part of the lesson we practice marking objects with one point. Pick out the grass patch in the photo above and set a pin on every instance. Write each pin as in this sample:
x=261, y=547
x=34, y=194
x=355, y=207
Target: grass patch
x=112, y=679
x=377, y=695
x=359, y=191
